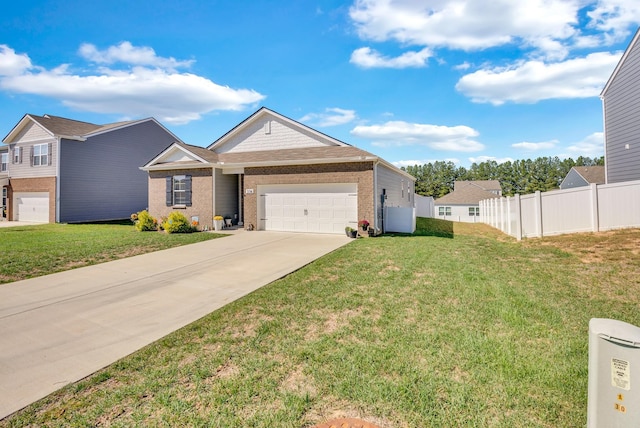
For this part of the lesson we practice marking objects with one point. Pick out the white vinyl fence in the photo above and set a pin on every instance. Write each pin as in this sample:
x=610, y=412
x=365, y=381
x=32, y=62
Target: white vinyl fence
x=582, y=209
x=424, y=206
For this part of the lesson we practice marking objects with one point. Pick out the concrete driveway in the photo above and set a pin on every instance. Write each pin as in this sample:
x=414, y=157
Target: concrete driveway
x=18, y=223
x=60, y=328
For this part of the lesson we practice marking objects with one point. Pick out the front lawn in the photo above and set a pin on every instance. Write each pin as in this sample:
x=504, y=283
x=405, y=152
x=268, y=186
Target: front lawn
x=461, y=327
x=31, y=251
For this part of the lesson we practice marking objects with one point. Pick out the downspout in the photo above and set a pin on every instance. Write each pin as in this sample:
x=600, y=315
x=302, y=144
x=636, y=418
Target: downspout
x=58, y=159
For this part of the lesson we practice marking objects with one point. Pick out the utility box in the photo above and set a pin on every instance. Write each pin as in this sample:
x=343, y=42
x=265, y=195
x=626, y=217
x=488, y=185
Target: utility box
x=614, y=374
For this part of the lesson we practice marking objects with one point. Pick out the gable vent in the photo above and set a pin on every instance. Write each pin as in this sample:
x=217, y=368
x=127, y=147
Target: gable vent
x=267, y=127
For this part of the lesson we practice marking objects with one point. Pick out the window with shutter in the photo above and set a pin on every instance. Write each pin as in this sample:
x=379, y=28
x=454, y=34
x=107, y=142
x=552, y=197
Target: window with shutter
x=178, y=190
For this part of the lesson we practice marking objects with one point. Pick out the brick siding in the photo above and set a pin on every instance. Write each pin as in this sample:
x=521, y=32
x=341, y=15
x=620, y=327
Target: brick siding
x=40, y=184
x=354, y=172
x=201, y=195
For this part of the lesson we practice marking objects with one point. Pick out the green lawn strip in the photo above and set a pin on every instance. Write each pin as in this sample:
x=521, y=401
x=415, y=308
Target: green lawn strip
x=33, y=251
x=423, y=331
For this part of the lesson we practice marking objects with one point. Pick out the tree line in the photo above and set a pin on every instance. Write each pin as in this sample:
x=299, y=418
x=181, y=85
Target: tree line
x=521, y=176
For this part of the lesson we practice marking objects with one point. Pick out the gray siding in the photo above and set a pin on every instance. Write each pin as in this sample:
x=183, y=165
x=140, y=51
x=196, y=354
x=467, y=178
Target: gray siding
x=100, y=178
x=226, y=194
x=573, y=179
x=622, y=120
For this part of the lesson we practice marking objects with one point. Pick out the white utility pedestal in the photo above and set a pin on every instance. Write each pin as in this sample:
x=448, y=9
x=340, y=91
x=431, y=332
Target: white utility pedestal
x=614, y=374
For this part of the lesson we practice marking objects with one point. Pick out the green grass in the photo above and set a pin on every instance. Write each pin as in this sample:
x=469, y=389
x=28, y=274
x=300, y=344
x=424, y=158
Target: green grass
x=461, y=326
x=32, y=251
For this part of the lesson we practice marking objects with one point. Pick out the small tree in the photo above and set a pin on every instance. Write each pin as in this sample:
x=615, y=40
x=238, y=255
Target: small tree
x=144, y=222
x=177, y=223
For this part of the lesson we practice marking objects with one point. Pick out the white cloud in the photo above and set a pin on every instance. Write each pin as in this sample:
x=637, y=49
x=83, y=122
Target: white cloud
x=615, y=17
x=151, y=88
x=467, y=24
x=399, y=133
x=592, y=146
x=532, y=81
x=481, y=159
x=12, y=64
x=464, y=66
x=532, y=147
x=369, y=58
x=126, y=53
x=330, y=117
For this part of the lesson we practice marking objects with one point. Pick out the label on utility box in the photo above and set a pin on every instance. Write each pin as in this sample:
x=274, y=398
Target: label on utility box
x=621, y=374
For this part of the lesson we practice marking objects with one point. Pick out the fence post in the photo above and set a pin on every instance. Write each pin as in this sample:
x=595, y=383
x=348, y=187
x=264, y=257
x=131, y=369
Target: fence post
x=595, y=219
x=518, y=217
x=538, y=214
x=509, y=216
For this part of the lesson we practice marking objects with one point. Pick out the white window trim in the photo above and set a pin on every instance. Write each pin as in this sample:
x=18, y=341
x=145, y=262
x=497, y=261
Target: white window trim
x=183, y=192
x=41, y=156
x=4, y=162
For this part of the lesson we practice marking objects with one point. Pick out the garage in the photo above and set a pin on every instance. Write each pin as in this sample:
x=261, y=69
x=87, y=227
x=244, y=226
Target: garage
x=312, y=208
x=32, y=206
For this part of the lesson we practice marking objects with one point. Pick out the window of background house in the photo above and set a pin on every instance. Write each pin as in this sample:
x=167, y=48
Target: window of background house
x=3, y=208
x=444, y=211
x=4, y=159
x=40, y=154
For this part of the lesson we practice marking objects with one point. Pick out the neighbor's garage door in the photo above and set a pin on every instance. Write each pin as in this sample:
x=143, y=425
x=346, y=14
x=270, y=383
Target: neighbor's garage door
x=32, y=206
x=317, y=208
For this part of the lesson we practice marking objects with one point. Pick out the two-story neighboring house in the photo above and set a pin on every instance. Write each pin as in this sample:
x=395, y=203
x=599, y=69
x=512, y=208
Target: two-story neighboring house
x=63, y=170
x=621, y=107
x=463, y=204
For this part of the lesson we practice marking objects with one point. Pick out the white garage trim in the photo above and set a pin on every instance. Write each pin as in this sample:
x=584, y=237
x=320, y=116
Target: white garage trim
x=314, y=208
x=32, y=206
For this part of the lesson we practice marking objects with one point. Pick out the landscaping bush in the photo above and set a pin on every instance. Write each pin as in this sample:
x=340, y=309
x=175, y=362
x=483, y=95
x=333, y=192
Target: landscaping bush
x=177, y=223
x=144, y=222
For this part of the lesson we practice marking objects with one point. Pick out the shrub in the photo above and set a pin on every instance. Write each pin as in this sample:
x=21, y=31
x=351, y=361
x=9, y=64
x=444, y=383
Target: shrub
x=177, y=223
x=144, y=222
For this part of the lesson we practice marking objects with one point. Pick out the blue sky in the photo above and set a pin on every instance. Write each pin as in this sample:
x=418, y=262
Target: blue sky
x=411, y=81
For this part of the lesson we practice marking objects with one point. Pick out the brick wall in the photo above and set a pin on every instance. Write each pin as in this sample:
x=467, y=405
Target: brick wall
x=356, y=172
x=201, y=195
x=40, y=184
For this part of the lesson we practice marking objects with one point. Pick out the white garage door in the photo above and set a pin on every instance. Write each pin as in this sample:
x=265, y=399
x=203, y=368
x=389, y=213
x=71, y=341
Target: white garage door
x=308, y=208
x=32, y=206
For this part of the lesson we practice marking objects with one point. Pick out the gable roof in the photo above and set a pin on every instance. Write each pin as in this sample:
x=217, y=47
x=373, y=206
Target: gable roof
x=259, y=115
x=626, y=53
x=487, y=185
x=73, y=129
x=467, y=193
x=591, y=174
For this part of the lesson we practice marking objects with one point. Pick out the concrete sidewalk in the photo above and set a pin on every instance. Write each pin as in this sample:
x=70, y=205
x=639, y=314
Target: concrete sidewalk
x=60, y=328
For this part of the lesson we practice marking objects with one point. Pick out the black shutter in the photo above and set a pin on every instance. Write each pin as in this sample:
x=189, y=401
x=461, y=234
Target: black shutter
x=187, y=189
x=31, y=155
x=50, y=151
x=169, y=191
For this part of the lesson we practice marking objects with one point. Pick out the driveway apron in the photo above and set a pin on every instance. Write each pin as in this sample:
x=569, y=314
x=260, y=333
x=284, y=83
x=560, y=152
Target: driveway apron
x=60, y=328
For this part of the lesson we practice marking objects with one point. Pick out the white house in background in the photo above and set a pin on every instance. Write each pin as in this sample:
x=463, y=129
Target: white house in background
x=463, y=204
x=580, y=176
x=621, y=107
